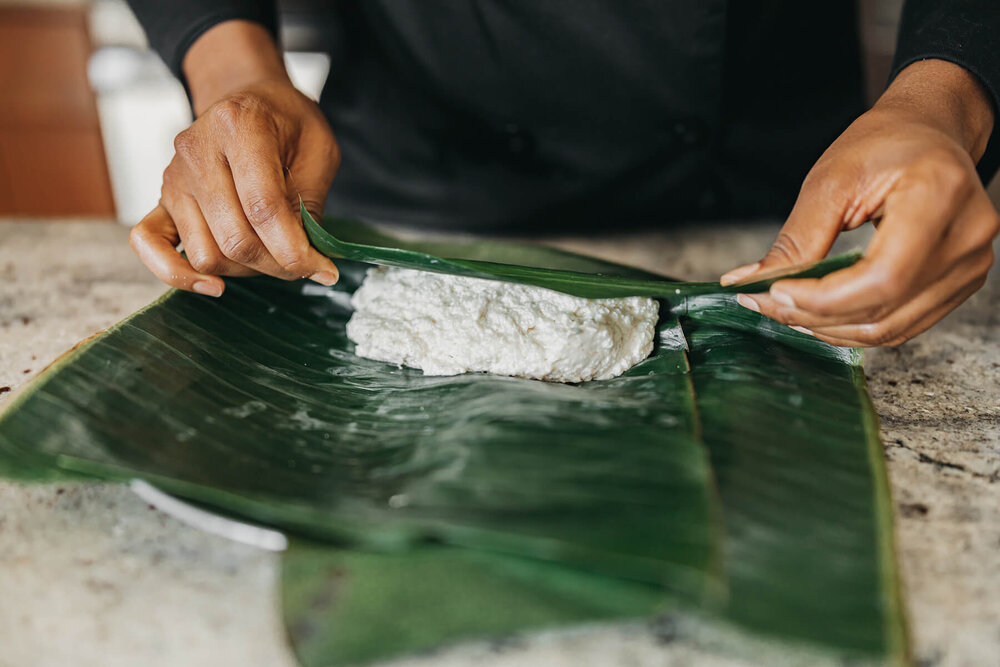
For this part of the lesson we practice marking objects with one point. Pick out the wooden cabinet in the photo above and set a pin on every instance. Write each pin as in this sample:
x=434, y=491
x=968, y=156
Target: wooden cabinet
x=52, y=159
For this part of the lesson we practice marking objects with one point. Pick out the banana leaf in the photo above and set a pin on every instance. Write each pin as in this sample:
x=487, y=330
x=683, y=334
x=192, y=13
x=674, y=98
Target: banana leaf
x=808, y=552
x=254, y=404
x=590, y=502
x=794, y=444
x=435, y=595
x=574, y=274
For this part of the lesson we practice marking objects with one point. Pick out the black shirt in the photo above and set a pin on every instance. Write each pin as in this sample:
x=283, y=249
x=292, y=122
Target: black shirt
x=556, y=115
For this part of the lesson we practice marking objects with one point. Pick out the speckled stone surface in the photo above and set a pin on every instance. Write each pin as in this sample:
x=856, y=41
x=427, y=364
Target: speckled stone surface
x=92, y=575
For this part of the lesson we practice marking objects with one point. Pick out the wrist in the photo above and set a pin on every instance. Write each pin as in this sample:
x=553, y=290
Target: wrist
x=229, y=57
x=946, y=96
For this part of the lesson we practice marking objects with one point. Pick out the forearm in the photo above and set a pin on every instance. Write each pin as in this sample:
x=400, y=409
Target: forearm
x=172, y=27
x=228, y=57
x=942, y=94
x=963, y=32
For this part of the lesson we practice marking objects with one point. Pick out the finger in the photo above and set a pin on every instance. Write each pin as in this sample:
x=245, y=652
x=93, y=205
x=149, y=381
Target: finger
x=155, y=240
x=782, y=311
x=810, y=230
x=216, y=196
x=866, y=337
x=200, y=169
x=260, y=183
x=199, y=245
x=905, y=255
x=917, y=316
x=934, y=317
x=906, y=322
x=777, y=309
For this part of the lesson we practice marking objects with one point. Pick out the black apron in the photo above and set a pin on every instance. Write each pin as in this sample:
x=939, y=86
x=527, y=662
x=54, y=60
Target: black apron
x=533, y=115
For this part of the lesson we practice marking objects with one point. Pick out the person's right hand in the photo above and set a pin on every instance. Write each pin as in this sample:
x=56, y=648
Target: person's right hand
x=231, y=192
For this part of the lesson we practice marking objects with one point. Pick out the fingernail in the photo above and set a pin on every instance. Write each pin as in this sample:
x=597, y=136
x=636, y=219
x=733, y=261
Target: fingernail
x=808, y=332
x=324, y=277
x=747, y=302
x=739, y=274
x=782, y=298
x=207, y=287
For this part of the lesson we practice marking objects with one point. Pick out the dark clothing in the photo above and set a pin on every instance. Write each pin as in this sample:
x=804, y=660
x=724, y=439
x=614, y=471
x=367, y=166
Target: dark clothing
x=533, y=114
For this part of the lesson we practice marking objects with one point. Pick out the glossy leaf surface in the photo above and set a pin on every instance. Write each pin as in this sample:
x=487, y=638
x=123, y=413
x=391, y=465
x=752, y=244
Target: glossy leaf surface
x=255, y=403
x=532, y=265
x=795, y=450
x=747, y=482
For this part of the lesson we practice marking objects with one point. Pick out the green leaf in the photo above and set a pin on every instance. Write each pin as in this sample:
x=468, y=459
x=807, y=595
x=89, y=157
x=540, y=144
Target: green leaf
x=793, y=440
x=747, y=482
x=254, y=403
x=349, y=607
x=532, y=265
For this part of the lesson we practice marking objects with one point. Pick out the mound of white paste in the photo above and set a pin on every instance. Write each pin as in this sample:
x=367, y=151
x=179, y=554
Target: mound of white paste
x=446, y=325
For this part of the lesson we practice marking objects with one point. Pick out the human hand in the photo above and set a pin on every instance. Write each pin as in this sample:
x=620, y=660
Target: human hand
x=907, y=165
x=230, y=194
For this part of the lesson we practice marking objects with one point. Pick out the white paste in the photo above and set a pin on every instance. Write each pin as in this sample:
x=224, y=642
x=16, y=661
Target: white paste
x=446, y=325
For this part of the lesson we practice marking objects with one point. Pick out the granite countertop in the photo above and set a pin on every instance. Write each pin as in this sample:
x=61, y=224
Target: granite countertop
x=92, y=575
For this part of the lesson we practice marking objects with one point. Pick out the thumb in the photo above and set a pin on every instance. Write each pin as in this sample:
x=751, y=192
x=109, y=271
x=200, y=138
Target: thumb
x=806, y=237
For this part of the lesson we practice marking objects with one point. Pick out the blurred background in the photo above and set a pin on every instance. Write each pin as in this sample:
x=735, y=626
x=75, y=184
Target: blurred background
x=88, y=113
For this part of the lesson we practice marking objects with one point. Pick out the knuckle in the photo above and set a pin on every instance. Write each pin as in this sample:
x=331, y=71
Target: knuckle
x=204, y=260
x=261, y=210
x=234, y=113
x=295, y=260
x=876, y=335
x=786, y=248
x=896, y=342
x=185, y=145
x=240, y=249
x=228, y=113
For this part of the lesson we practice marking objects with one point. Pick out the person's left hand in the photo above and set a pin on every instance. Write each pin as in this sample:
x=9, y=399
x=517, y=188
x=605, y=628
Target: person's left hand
x=911, y=171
